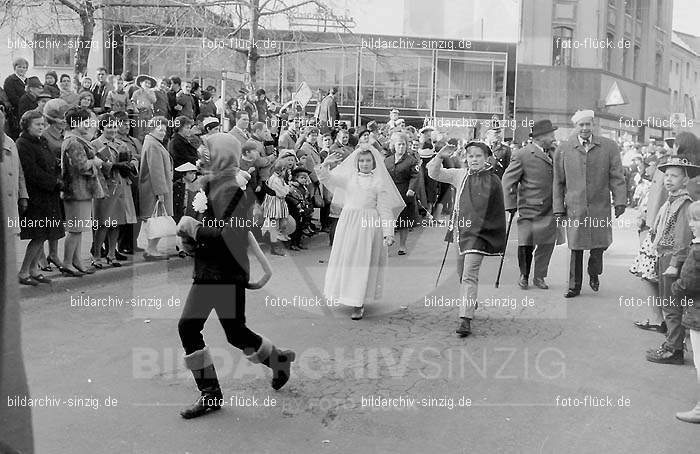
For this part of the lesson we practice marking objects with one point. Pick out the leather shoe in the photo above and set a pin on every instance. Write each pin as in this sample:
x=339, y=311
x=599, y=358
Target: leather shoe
x=571, y=293
x=663, y=356
x=522, y=283
x=595, y=284
x=539, y=283
x=465, y=327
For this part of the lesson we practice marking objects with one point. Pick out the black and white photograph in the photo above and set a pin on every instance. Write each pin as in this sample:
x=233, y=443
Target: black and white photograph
x=335, y=226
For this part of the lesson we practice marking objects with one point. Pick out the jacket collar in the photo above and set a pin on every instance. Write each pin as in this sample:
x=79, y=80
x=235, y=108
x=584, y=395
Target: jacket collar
x=537, y=151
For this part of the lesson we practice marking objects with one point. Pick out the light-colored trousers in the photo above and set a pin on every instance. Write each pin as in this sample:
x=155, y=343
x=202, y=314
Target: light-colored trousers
x=470, y=284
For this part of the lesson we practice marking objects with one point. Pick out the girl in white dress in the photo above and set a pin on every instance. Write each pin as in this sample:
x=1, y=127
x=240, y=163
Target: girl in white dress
x=370, y=203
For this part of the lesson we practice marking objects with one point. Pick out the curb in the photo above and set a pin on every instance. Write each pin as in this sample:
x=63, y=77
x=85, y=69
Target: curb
x=62, y=284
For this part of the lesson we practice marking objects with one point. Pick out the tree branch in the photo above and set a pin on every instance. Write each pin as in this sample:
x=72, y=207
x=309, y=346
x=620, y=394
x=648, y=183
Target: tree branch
x=287, y=8
x=313, y=49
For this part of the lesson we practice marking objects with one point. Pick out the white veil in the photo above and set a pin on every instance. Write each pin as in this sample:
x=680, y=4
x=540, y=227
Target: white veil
x=347, y=172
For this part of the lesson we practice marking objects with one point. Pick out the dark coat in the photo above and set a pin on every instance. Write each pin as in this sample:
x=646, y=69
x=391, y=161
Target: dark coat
x=500, y=159
x=583, y=182
x=26, y=103
x=14, y=88
x=182, y=152
x=221, y=254
x=42, y=179
x=405, y=174
x=527, y=186
x=688, y=286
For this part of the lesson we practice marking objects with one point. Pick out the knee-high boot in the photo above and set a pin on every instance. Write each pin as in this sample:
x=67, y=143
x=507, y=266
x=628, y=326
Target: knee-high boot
x=211, y=398
x=280, y=361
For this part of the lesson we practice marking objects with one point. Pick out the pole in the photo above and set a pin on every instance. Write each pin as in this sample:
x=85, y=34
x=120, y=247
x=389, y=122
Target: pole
x=503, y=256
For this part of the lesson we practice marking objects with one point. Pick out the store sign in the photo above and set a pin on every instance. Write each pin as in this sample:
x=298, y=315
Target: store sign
x=303, y=94
x=614, y=96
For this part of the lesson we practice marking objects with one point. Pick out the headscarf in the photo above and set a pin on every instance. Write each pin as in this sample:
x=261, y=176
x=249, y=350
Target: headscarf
x=347, y=171
x=220, y=161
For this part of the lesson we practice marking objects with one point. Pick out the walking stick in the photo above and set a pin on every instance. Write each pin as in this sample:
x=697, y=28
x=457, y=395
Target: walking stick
x=503, y=256
x=443, y=264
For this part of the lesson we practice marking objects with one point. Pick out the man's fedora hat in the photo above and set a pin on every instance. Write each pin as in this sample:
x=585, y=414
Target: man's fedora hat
x=542, y=127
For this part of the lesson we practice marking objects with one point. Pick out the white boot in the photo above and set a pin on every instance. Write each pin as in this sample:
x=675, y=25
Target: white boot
x=692, y=416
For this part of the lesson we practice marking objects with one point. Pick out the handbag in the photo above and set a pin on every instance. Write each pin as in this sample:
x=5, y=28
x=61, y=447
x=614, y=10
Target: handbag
x=160, y=225
x=317, y=196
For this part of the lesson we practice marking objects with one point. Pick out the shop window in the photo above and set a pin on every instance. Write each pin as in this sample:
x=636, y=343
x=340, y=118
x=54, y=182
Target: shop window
x=56, y=53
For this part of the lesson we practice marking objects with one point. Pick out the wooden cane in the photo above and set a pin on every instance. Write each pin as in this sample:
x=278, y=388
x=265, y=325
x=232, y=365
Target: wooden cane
x=503, y=256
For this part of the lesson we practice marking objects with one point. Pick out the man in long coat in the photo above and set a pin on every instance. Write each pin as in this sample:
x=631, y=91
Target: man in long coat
x=527, y=188
x=587, y=169
x=328, y=115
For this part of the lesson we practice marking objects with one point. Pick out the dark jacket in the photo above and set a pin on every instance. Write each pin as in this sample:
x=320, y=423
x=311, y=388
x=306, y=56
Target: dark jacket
x=688, y=286
x=527, y=186
x=42, y=179
x=404, y=173
x=15, y=89
x=182, y=152
x=221, y=253
x=26, y=103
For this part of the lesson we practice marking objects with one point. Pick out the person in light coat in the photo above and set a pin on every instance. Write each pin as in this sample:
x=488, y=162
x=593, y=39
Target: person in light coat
x=155, y=179
x=587, y=169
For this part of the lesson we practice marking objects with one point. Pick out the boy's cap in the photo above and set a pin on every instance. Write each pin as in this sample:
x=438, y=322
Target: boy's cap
x=691, y=169
x=479, y=144
x=298, y=170
x=186, y=167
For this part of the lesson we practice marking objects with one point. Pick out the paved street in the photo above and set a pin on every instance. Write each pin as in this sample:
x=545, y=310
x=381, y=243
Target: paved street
x=500, y=390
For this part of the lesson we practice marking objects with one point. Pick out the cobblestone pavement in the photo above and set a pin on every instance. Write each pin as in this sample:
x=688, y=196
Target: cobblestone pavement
x=500, y=390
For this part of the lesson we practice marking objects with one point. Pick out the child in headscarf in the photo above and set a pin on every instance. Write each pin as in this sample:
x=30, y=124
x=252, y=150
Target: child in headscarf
x=275, y=209
x=221, y=242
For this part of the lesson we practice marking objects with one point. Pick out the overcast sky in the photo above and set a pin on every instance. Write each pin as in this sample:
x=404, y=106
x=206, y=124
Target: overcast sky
x=686, y=16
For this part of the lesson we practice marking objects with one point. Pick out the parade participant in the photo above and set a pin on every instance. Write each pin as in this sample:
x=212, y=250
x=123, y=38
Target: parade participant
x=500, y=159
x=688, y=286
x=527, y=189
x=275, y=210
x=403, y=169
x=587, y=169
x=300, y=206
x=428, y=188
x=222, y=273
x=478, y=224
x=671, y=238
x=370, y=203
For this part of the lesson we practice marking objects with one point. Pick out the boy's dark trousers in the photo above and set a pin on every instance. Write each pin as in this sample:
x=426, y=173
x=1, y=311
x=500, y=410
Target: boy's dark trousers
x=595, y=266
x=299, y=232
x=670, y=306
x=200, y=302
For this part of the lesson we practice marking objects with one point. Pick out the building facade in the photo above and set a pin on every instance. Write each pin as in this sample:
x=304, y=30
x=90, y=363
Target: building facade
x=684, y=81
x=611, y=56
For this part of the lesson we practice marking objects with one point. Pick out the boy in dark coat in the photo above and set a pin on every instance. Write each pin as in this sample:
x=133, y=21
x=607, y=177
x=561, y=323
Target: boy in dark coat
x=478, y=223
x=300, y=206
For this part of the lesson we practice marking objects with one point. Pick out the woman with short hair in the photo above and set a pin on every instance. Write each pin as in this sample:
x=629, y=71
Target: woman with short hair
x=155, y=179
x=80, y=166
x=42, y=219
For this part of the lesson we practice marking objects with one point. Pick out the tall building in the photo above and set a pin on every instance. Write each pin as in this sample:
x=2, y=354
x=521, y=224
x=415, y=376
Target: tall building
x=684, y=80
x=605, y=55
